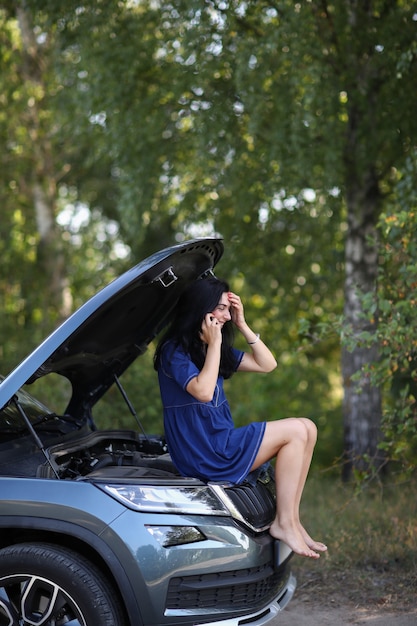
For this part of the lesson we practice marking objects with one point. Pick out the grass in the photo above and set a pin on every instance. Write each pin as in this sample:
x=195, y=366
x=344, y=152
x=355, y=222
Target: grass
x=372, y=543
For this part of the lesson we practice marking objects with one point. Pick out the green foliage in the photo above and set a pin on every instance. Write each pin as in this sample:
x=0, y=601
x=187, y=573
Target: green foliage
x=394, y=310
x=397, y=369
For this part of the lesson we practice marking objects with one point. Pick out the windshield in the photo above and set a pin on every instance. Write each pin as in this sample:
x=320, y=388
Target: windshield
x=10, y=418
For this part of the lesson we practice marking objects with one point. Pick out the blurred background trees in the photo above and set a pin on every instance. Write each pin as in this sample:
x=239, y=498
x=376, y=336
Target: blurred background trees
x=289, y=129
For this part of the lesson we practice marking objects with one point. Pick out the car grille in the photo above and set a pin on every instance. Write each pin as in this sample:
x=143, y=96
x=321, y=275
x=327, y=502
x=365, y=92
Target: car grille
x=237, y=589
x=255, y=503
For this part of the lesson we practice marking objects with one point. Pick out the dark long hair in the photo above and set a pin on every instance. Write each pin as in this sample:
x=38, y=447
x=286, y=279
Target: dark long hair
x=199, y=298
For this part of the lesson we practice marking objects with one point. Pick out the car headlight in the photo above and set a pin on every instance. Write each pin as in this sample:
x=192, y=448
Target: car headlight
x=194, y=500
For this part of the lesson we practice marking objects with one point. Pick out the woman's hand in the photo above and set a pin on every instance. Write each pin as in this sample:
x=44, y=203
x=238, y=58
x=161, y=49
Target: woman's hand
x=211, y=330
x=236, y=310
x=202, y=386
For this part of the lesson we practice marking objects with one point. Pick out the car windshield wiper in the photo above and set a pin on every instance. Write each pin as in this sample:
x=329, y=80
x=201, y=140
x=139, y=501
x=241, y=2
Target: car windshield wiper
x=43, y=419
x=52, y=416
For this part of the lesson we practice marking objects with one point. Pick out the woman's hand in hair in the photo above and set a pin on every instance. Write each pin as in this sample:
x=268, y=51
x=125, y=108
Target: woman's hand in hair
x=236, y=310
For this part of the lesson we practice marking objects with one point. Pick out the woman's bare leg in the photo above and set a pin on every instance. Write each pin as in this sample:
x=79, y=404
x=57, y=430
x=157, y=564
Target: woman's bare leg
x=292, y=441
x=311, y=442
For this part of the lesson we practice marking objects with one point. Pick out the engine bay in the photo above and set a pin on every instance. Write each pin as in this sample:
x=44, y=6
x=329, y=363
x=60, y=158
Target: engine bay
x=104, y=450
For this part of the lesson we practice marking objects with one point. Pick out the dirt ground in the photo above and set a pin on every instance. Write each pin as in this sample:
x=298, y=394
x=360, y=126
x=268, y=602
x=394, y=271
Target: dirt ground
x=371, y=598
x=300, y=613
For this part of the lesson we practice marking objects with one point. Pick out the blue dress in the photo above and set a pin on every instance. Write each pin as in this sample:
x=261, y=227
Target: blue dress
x=201, y=437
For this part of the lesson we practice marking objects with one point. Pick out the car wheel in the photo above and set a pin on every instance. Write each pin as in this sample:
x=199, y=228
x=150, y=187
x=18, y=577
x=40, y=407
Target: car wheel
x=44, y=585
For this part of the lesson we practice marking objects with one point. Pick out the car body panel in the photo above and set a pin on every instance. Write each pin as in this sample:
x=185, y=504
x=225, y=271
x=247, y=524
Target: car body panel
x=123, y=538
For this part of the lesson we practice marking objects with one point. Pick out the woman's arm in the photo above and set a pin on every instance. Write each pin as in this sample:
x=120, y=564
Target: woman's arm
x=260, y=358
x=202, y=386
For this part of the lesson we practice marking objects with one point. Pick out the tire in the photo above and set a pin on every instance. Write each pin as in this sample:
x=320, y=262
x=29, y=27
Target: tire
x=45, y=585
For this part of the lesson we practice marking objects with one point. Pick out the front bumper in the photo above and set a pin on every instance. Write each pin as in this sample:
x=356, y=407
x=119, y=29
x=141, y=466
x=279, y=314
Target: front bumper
x=262, y=617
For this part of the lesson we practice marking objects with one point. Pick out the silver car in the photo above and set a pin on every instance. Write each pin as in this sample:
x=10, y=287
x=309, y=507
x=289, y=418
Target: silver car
x=97, y=528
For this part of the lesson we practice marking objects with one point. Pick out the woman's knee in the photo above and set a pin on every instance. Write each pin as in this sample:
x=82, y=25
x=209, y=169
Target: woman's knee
x=292, y=428
x=298, y=429
x=311, y=429
x=305, y=429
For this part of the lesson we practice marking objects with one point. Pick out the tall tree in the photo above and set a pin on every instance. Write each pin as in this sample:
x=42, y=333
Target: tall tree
x=32, y=134
x=44, y=166
x=367, y=46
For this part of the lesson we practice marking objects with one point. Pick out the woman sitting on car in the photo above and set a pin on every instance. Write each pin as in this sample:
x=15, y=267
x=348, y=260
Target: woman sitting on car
x=193, y=358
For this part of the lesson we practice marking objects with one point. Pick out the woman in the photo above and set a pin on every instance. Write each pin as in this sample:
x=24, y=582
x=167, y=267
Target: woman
x=192, y=359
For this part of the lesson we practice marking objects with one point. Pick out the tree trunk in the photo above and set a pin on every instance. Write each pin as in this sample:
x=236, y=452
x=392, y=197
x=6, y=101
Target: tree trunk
x=362, y=401
x=41, y=186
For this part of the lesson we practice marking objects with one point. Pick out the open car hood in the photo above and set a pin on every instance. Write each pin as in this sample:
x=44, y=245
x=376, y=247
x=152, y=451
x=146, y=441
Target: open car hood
x=106, y=334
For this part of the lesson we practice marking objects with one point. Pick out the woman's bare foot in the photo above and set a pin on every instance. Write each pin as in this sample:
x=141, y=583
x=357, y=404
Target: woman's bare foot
x=293, y=538
x=311, y=543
